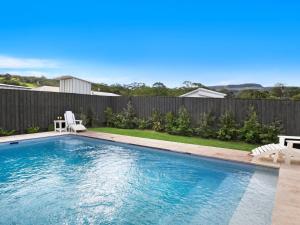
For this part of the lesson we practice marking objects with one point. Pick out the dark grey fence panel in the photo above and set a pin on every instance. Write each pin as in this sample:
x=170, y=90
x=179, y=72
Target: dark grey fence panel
x=22, y=109
x=286, y=111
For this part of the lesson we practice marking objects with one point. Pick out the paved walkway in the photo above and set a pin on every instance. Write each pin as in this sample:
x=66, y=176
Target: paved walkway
x=287, y=202
x=21, y=137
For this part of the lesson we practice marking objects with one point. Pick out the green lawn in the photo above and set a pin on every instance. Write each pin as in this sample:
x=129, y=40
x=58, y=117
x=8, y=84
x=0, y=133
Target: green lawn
x=183, y=139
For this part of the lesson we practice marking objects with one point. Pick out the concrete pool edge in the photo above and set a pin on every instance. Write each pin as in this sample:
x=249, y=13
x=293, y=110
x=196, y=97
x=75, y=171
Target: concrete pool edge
x=198, y=150
x=21, y=137
x=287, y=199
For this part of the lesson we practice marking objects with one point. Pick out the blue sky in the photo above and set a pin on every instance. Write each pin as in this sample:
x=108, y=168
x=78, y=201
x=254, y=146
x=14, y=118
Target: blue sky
x=211, y=42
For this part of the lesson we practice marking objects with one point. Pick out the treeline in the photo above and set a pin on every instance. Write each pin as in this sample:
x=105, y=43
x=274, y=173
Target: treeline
x=141, y=89
x=279, y=91
x=134, y=89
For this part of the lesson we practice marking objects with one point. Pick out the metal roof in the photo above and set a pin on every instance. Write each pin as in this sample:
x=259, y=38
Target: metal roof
x=203, y=90
x=67, y=77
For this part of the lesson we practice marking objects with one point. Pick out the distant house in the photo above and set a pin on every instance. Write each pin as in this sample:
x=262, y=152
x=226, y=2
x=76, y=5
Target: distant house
x=69, y=84
x=46, y=88
x=100, y=93
x=15, y=87
x=203, y=93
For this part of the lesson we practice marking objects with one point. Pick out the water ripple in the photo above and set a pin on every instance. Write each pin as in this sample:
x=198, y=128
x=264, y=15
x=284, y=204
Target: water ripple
x=70, y=180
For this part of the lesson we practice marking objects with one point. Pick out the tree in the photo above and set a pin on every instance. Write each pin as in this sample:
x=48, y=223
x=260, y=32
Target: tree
x=278, y=90
x=187, y=84
x=229, y=94
x=198, y=85
x=159, y=85
x=253, y=94
x=296, y=97
x=159, y=89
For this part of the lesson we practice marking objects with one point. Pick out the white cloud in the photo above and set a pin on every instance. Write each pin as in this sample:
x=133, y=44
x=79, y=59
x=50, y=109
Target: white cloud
x=8, y=62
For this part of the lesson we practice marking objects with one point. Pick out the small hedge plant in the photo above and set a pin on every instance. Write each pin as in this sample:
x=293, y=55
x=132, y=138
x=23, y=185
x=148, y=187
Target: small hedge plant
x=51, y=127
x=170, y=120
x=182, y=123
x=143, y=123
x=158, y=123
x=269, y=133
x=206, y=127
x=251, y=130
x=33, y=129
x=125, y=119
x=224, y=128
x=228, y=128
x=6, y=132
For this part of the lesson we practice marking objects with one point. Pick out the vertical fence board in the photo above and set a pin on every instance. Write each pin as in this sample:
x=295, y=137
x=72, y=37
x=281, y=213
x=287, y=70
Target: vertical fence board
x=20, y=109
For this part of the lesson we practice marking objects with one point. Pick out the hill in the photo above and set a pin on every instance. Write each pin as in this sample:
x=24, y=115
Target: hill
x=134, y=89
x=27, y=81
x=243, y=91
x=238, y=87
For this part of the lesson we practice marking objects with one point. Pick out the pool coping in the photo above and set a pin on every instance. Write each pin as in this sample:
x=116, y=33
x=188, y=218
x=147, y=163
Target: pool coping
x=198, y=150
x=287, y=200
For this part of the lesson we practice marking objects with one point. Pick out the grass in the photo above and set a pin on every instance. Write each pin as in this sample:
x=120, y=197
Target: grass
x=19, y=83
x=176, y=138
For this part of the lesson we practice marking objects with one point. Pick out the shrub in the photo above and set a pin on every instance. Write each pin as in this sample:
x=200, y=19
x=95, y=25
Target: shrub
x=129, y=112
x=33, y=129
x=182, y=123
x=170, y=121
x=126, y=119
x=109, y=117
x=6, y=132
x=89, y=122
x=119, y=121
x=270, y=132
x=157, y=121
x=228, y=127
x=251, y=130
x=143, y=123
x=88, y=118
x=83, y=117
x=51, y=127
x=205, y=128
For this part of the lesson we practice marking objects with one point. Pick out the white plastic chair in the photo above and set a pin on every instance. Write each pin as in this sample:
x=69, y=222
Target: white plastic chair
x=72, y=124
x=275, y=150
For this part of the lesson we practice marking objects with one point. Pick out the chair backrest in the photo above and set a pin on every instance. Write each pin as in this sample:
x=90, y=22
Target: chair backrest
x=69, y=118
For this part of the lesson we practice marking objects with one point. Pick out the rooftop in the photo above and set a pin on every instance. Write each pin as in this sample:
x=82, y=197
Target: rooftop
x=9, y=86
x=46, y=88
x=204, y=90
x=67, y=77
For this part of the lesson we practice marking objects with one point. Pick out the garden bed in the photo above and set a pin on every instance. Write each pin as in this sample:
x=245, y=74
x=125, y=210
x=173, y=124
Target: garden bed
x=239, y=145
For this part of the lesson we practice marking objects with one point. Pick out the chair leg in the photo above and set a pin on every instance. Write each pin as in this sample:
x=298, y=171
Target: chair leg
x=288, y=157
x=275, y=157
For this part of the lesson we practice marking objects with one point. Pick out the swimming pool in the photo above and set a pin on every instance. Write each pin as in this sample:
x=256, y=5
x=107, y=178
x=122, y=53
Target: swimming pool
x=78, y=180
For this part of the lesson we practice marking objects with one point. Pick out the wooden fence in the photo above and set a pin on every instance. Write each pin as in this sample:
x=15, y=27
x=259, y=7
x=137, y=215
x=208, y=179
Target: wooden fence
x=22, y=109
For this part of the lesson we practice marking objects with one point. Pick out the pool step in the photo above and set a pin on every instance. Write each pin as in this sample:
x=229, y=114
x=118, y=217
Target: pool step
x=257, y=203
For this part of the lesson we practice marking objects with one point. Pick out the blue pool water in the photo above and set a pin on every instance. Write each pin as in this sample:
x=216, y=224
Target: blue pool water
x=76, y=180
